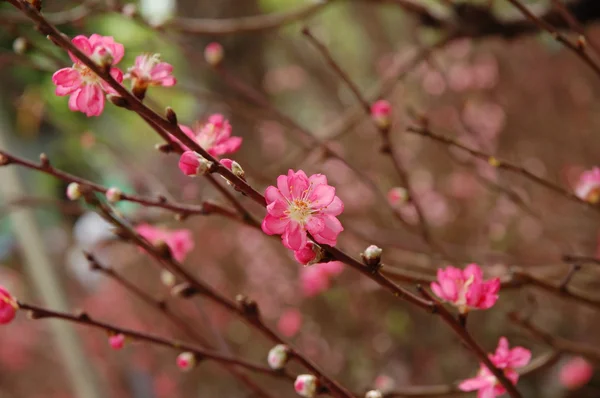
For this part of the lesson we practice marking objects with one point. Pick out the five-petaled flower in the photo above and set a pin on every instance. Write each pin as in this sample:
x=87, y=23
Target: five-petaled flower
x=505, y=359
x=180, y=241
x=8, y=306
x=149, y=70
x=301, y=204
x=466, y=288
x=84, y=86
x=214, y=136
x=588, y=187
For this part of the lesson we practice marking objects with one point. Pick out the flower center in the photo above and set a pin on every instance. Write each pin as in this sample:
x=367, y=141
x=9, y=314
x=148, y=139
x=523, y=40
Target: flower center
x=87, y=75
x=461, y=302
x=207, y=136
x=299, y=210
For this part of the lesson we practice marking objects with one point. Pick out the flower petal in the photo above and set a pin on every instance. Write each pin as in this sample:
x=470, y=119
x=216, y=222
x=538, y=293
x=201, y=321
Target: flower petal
x=321, y=196
x=274, y=225
x=66, y=80
x=294, y=237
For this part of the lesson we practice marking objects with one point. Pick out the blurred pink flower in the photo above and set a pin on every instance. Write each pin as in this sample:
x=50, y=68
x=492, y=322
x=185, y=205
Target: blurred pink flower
x=180, y=241
x=8, y=306
x=290, y=322
x=314, y=280
x=148, y=70
x=466, y=288
x=299, y=204
x=434, y=83
x=83, y=85
x=213, y=53
x=460, y=77
x=116, y=341
x=588, y=187
x=331, y=268
x=380, y=113
x=165, y=386
x=505, y=359
x=214, y=136
x=576, y=373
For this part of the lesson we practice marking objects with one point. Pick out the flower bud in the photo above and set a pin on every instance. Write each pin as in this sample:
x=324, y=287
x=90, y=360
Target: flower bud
x=113, y=195
x=397, y=196
x=167, y=278
x=186, y=361
x=116, y=341
x=20, y=45
x=213, y=54
x=374, y=394
x=310, y=254
x=380, y=113
x=183, y=290
x=278, y=356
x=74, y=191
x=372, y=255
x=235, y=168
x=193, y=164
x=306, y=385
x=8, y=306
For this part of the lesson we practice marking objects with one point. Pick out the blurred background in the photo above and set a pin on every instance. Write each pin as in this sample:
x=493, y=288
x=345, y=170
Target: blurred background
x=476, y=72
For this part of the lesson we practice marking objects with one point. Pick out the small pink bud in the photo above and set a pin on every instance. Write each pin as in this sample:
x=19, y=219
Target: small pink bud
x=278, y=356
x=116, y=341
x=8, y=306
x=186, y=361
x=193, y=164
x=397, y=195
x=306, y=385
x=74, y=191
x=113, y=195
x=235, y=168
x=213, y=54
x=372, y=255
x=576, y=373
x=167, y=278
x=380, y=113
x=374, y=394
x=310, y=254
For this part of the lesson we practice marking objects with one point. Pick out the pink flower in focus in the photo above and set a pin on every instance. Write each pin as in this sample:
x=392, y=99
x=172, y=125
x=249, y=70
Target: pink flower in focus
x=116, y=341
x=299, y=204
x=380, y=113
x=83, y=85
x=588, y=187
x=215, y=136
x=576, y=373
x=180, y=241
x=213, y=54
x=290, y=322
x=148, y=70
x=314, y=280
x=504, y=358
x=466, y=288
x=8, y=306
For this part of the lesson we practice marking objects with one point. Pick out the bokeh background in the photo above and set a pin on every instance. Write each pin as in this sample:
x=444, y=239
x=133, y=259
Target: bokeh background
x=524, y=98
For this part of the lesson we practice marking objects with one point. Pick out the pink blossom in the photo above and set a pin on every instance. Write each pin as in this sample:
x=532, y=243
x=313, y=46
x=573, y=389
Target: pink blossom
x=290, y=322
x=380, y=113
x=83, y=85
x=576, y=373
x=180, y=241
x=505, y=359
x=331, y=268
x=301, y=204
x=314, y=280
x=116, y=341
x=213, y=53
x=309, y=254
x=466, y=288
x=588, y=187
x=148, y=70
x=8, y=306
x=214, y=136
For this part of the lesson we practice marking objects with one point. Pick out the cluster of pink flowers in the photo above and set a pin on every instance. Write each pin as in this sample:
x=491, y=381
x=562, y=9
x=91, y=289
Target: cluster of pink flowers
x=466, y=289
x=8, y=306
x=299, y=205
x=588, y=187
x=505, y=359
x=87, y=89
x=179, y=241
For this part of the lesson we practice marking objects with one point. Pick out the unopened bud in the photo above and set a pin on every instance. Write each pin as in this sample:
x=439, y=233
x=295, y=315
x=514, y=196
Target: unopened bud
x=397, y=196
x=167, y=278
x=171, y=115
x=193, y=164
x=310, y=254
x=183, y=290
x=234, y=167
x=306, y=385
x=186, y=361
x=20, y=45
x=74, y=191
x=380, y=113
x=116, y=341
x=113, y=195
x=374, y=394
x=278, y=356
x=372, y=255
x=117, y=100
x=213, y=54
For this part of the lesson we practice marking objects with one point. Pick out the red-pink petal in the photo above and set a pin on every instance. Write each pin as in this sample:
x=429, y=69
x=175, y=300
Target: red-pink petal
x=274, y=225
x=66, y=80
